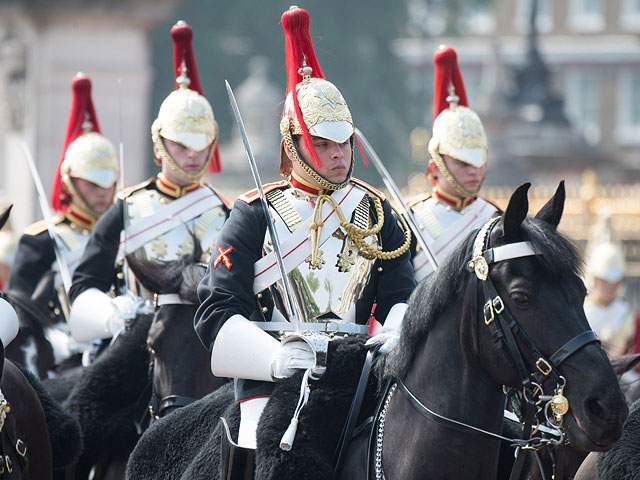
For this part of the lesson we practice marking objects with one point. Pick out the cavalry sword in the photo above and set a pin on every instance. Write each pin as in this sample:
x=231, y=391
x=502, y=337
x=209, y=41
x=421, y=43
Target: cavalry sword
x=397, y=196
x=125, y=269
x=48, y=218
x=273, y=233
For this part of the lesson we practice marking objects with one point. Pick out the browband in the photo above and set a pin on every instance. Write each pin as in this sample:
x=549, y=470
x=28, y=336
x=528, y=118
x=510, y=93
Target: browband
x=507, y=252
x=171, y=299
x=483, y=258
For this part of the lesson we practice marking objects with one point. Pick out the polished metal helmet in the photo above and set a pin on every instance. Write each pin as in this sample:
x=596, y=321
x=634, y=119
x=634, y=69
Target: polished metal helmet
x=91, y=157
x=186, y=116
x=87, y=153
x=457, y=130
x=313, y=106
x=607, y=262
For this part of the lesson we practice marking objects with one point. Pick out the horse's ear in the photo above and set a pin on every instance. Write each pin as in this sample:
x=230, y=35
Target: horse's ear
x=552, y=210
x=5, y=216
x=148, y=273
x=516, y=211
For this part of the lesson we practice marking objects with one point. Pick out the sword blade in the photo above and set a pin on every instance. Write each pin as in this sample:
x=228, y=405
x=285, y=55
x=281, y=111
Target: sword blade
x=48, y=218
x=394, y=191
x=125, y=215
x=273, y=233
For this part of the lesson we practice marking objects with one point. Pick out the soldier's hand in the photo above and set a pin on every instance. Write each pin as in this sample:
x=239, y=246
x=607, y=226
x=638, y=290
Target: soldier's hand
x=387, y=339
x=389, y=334
x=293, y=356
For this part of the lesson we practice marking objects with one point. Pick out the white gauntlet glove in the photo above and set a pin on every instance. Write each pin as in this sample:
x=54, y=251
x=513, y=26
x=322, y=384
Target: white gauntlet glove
x=127, y=306
x=293, y=356
x=389, y=335
x=94, y=314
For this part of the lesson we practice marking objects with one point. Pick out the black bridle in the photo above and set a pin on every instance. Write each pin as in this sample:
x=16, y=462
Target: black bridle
x=504, y=328
x=158, y=406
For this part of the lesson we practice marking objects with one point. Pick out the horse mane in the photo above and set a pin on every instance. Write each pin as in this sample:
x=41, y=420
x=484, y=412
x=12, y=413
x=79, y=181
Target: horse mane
x=179, y=276
x=559, y=259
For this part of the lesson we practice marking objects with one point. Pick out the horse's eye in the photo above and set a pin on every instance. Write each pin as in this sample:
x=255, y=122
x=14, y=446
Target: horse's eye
x=519, y=299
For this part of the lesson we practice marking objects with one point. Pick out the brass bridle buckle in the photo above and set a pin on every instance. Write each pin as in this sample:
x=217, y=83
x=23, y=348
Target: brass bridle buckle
x=491, y=308
x=543, y=366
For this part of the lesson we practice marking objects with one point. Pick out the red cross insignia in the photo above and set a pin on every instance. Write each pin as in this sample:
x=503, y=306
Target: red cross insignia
x=223, y=257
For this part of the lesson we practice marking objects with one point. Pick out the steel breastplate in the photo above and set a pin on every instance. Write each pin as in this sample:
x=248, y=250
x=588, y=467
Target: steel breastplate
x=178, y=241
x=443, y=228
x=331, y=291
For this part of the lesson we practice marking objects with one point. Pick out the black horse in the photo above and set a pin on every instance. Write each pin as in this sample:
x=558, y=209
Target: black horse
x=623, y=460
x=179, y=370
x=24, y=439
x=43, y=344
x=157, y=365
x=450, y=359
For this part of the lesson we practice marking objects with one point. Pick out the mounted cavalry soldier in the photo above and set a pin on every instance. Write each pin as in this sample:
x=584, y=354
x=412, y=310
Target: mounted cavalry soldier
x=84, y=188
x=341, y=246
x=160, y=218
x=457, y=167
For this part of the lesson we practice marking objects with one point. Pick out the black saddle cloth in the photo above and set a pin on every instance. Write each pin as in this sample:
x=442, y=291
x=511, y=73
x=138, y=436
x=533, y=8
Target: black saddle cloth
x=321, y=421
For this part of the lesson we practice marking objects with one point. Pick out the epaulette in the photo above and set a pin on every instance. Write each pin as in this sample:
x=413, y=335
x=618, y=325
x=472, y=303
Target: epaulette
x=369, y=188
x=122, y=194
x=41, y=226
x=224, y=199
x=253, y=195
x=413, y=201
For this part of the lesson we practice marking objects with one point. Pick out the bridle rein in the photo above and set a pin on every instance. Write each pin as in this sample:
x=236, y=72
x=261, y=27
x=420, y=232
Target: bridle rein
x=504, y=328
x=159, y=406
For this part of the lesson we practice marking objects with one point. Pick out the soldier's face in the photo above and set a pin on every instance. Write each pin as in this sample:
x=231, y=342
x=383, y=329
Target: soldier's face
x=188, y=160
x=97, y=197
x=335, y=158
x=468, y=176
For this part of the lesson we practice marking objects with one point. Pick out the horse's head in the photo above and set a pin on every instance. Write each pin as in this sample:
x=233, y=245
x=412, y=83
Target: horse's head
x=179, y=362
x=530, y=324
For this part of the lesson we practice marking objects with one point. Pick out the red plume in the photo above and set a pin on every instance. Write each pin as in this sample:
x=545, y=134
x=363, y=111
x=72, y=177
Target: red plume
x=81, y=103
x=182, y=34
x=214, y=165
x=447, y=73
x=298, y=45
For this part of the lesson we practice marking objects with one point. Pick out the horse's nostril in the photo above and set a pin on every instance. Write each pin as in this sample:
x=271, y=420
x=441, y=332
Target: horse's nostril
x=595, y=409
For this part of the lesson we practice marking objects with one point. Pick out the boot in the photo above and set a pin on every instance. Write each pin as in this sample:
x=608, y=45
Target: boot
x=236, y=462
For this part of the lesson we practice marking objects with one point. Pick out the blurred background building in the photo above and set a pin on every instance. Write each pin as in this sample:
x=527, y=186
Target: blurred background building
x=556, y=82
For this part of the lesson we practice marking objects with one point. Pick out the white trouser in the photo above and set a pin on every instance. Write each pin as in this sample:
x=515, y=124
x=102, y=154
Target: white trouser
x=250, y=413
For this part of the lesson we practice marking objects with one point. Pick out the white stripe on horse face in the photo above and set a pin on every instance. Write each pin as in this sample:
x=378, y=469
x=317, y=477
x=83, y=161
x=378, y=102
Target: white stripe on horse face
x=30, y=356
x=63, y=344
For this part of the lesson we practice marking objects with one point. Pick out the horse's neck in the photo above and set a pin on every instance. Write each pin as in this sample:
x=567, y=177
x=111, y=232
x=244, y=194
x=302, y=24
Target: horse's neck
x=446, y=378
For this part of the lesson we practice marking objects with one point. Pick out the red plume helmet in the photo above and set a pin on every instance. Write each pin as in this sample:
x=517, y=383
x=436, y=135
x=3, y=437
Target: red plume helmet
x=457, y=130
x=447, y=75
x=183, y=56
x=300, y=56
x=82, y=118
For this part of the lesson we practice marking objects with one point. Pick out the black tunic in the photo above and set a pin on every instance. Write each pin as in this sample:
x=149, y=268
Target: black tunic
x=34, y=257
x=225, y=292
x=97, y=267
